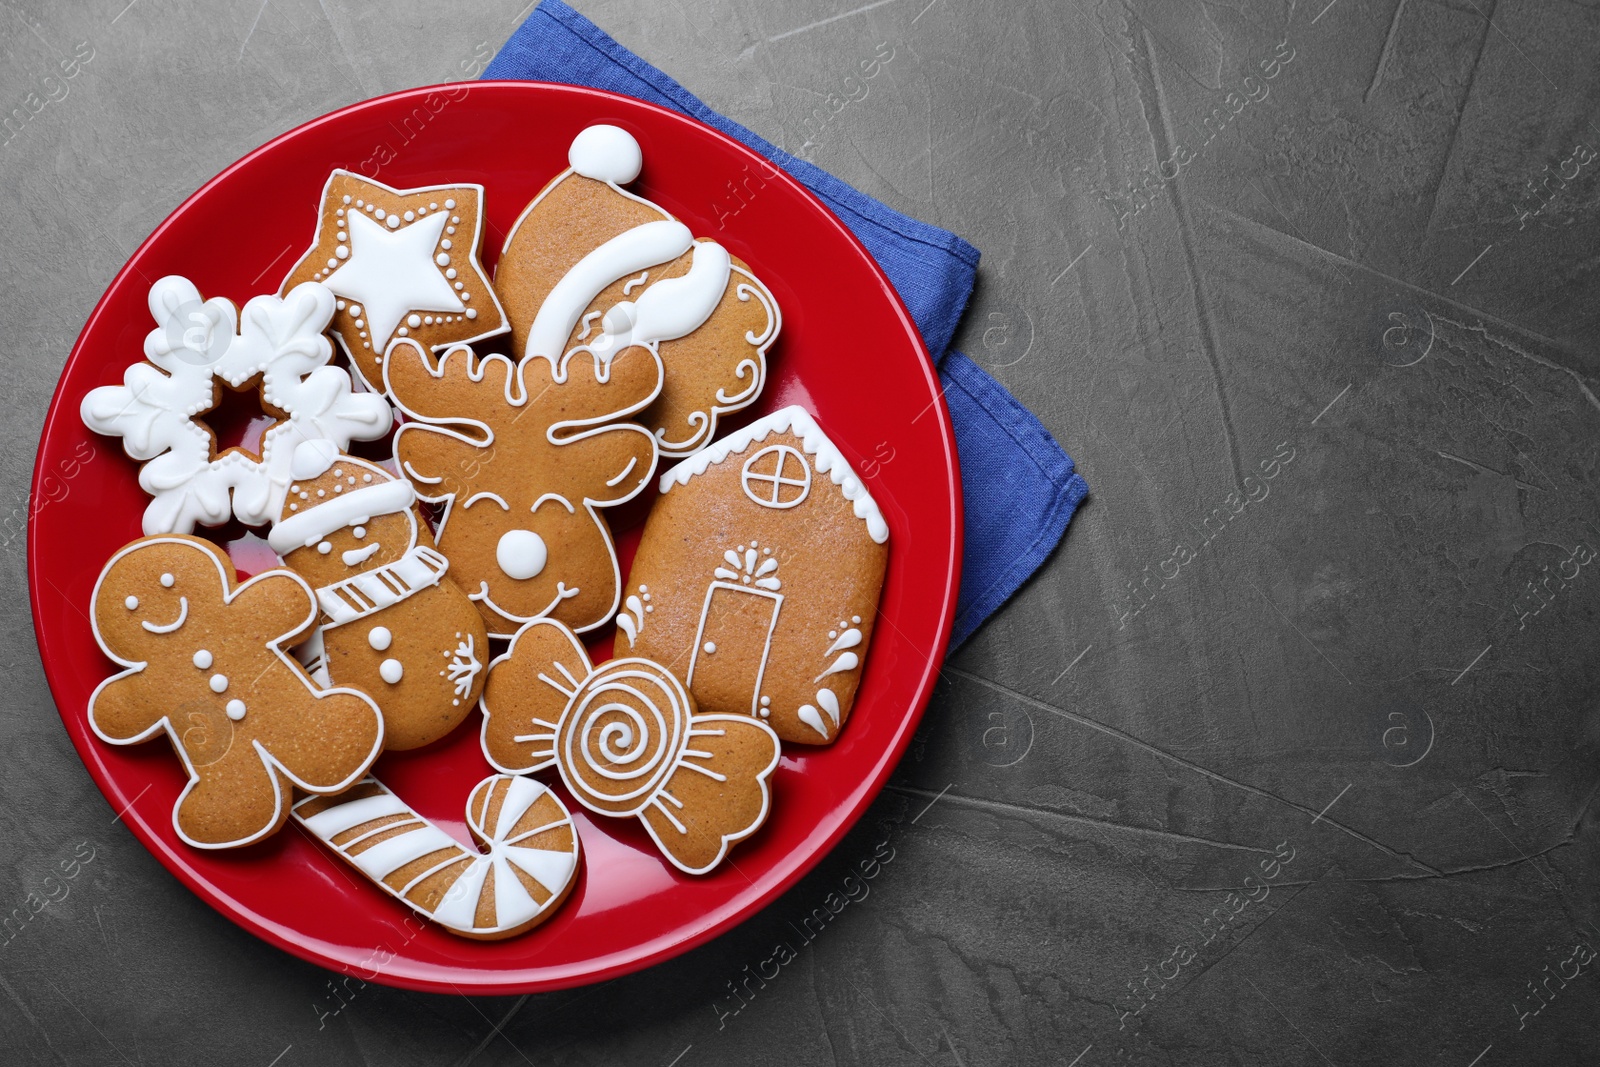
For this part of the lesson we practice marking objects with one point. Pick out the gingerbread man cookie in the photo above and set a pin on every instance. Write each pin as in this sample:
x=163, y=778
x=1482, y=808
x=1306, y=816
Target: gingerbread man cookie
x=395, y=625
x=628, y=741
x=276, y=347
x=757, y=577
x=523, y=455
x=403, y=263
x=589, y=265
x=206, y=665
x=530, y=868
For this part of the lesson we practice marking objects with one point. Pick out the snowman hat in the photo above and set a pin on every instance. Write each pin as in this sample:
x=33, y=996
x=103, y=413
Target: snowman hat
x=312, y=459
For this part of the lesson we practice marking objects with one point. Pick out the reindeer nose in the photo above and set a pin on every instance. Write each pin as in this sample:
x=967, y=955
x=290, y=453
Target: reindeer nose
x=521, y=554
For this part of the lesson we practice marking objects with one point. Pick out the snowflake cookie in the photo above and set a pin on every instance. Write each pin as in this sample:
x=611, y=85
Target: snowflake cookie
x=275, y=346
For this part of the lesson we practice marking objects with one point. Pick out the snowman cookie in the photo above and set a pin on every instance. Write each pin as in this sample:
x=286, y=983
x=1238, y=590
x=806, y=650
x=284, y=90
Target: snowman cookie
x=591, y=266
x=628, y=741
x=206, y=664
x=523, y=455
x=394, y=624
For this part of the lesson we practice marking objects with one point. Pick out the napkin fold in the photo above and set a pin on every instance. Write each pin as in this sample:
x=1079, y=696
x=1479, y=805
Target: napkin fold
x=1019, y=488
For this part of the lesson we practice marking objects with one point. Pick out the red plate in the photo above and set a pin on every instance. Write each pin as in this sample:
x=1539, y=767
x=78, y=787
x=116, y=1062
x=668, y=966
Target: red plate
x=849, y=352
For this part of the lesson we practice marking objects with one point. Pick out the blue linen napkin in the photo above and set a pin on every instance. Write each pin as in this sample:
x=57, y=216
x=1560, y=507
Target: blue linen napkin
x=1019, y=488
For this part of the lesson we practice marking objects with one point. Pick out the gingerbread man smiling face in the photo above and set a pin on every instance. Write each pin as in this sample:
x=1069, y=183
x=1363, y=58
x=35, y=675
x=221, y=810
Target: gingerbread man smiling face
x=205, y=664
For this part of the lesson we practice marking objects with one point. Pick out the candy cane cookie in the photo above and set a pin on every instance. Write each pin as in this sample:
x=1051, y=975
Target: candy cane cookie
x=530, y=867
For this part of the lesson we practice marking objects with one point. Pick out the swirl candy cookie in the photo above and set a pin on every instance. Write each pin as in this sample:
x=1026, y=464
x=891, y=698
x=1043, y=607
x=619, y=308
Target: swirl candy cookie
x=530, y=868
x=591, y=266
x=522, y=454
x=275, y=346
x=757, y=578
x=403, y=263
x=628, y=741
x=206, y=665
x=395, y=625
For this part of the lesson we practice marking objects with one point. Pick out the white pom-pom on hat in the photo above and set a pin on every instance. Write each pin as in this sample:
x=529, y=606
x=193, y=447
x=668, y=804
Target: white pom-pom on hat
x=607, y=154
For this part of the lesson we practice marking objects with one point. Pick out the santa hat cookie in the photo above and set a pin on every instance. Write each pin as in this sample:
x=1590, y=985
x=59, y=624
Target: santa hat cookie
x=394, y=624
x=757, y=578
x=591, y=265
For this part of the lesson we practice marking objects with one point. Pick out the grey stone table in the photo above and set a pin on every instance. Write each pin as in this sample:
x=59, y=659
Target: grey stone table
x=1286, y=757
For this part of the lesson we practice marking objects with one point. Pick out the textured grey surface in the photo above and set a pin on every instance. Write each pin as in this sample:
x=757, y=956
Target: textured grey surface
x=1373, y=663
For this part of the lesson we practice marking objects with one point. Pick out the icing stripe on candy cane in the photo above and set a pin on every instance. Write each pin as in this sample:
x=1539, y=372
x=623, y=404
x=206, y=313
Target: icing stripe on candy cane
x=531, y=865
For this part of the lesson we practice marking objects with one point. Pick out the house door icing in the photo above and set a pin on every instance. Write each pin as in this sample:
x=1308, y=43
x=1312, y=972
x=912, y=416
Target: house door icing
x=730, y=649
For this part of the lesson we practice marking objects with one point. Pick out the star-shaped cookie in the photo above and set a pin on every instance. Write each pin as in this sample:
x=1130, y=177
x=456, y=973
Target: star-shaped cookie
x=403, y=263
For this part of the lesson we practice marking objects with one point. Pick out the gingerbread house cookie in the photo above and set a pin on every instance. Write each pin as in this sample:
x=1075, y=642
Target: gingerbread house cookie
x=589, y=265
x=757, y=578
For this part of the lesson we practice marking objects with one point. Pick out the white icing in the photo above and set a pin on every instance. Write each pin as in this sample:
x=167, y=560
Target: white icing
x=358, y=506
x=391, y=671
x=391, y=273
x=312, y=458
x=168, y=581
x=768, y=490
x=829, y=461
x=702, y=644
x=464, y=666
x=371, y=591
x=847, y=661
x=183, y=616
x=521, y=554
x=354, y=557
x=380, y=638
x=131, y=603
x=624, y=255
x=669, y=309
x=235, y=709
x=830, y=704
x=809, y=716
x=849, y=639
x=219, y=683
x=203, y=660
x=153, y=411
x=606, y=154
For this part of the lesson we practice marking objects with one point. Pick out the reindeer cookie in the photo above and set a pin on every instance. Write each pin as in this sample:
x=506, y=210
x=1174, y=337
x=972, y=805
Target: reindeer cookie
x=591, y=266
x=206, y=664
x=522, y=454
x=395, y=625
x=757, y=577
x=531, y=865
x=628, y=741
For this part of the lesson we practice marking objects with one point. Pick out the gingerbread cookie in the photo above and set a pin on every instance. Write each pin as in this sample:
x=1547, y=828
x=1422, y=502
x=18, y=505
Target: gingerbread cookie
x=757, y=578
x=628, y=741
x=206, y=664
x=394, y=625
x=276, y=347
x=589, y=265
x=530, y=868
x=404, y=263
x=522, y=455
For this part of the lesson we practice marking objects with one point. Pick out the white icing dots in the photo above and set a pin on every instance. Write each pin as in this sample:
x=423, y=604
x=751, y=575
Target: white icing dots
x=167, y=580
x=445, y=244
x=410, y=215
x=414, y=321
x=709, y=647
x=347, y=199
x=380, y=638
x=342, y=252
x=521, y=554
x=202, y=659
x=355, y=309
x=472, y=313
x=341, y=305
x=402, y=332
x=132, y=603
x=324, y=547
x=380, y=215
x=450, y=205
x=235, y=709
x=219, y=683
x=391, y=671
x=443, y=259
x=451, y=273
x=343, y=237
x=394, y=222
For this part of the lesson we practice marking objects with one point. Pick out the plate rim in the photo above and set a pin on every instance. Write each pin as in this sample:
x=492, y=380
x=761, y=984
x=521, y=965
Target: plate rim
x=480, y=981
